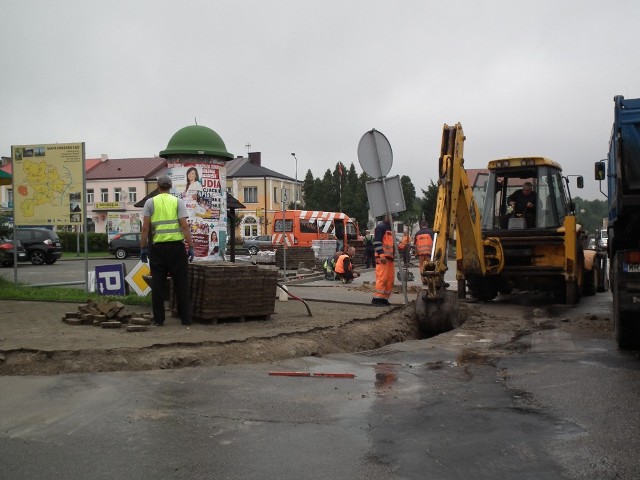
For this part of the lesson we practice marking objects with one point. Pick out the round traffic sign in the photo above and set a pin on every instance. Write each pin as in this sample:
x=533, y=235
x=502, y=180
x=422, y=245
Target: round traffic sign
x=374, y=154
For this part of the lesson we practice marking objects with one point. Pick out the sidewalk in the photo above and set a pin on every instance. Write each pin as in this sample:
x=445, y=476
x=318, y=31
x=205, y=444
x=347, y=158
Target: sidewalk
x=359, y=292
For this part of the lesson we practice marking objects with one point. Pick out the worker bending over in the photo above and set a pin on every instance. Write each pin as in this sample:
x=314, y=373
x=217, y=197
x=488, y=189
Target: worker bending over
x=344, y=266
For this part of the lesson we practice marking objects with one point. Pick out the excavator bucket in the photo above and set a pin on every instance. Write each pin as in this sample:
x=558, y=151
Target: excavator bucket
x=437, y=315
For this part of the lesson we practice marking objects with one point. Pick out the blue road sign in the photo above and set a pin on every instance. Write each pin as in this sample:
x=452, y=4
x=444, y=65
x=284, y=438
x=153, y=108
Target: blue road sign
x=110, y=279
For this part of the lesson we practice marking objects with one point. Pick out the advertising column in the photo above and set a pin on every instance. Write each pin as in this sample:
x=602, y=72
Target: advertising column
x=202, y=186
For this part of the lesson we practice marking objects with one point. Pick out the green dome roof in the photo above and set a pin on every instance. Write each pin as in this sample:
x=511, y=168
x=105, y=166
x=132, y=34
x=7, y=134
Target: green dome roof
x=196, y=140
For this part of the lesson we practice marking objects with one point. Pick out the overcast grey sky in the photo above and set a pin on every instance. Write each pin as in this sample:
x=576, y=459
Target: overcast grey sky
x=311, y=77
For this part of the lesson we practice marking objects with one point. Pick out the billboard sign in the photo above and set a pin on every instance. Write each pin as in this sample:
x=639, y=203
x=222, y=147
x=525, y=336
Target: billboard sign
x=48, y=184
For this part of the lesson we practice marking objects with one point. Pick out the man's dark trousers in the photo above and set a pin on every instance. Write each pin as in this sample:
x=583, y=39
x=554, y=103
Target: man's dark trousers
x=164, y=258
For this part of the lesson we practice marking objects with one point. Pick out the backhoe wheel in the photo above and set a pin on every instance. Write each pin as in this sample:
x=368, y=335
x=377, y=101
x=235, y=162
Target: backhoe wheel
x=439, y=315
x=572, y=294
x=574, y=288
x=590, y=280
x=483, y=288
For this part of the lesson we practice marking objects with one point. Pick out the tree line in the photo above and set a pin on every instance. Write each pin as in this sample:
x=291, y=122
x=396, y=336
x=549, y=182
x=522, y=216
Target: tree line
x=343, y=190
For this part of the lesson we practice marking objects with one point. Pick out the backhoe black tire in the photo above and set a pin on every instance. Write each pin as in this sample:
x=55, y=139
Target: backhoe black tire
x=590, y=280
x=572, y=293
x=573, y=290
x=483, y=288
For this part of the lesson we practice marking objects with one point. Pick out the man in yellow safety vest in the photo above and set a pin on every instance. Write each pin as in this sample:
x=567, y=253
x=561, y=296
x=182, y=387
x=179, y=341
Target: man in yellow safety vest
x=165, y=217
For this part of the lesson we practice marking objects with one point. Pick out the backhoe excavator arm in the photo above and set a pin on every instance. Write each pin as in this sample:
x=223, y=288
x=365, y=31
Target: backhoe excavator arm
x=456, y=209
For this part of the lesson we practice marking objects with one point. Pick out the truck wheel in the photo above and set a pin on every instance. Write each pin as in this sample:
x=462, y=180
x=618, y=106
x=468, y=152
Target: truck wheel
x=627, y=329
x=603, y=279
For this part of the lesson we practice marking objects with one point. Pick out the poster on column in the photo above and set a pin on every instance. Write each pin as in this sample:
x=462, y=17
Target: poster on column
x=122, y=223
x=203, y=188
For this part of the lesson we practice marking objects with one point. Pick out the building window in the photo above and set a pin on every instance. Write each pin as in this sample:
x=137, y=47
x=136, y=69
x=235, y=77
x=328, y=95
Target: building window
x=104, y=194
x=117, y=194
x=90, y=194
x=250, y=227
x=133, y=195
x=250, y=194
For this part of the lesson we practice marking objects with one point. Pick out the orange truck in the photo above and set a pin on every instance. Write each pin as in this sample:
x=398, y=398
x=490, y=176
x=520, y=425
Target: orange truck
x=298, y=228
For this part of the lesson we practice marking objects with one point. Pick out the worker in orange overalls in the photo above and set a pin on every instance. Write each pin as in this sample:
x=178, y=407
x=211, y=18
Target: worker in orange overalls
x=423, y=244
x=344, y=266
x=405, y=247
x=383, y=244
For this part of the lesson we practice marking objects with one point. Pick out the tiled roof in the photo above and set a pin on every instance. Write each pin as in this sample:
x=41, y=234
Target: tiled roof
x=89, y=163
x=242, y=167
x=114, y=168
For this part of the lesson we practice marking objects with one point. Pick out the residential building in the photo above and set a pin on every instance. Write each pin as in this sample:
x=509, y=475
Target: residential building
x=115, y=185
x=262, y=191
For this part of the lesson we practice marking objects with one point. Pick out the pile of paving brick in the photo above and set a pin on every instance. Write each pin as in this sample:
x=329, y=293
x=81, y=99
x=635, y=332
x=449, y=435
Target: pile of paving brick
x=296, y=256
x=226, y=291
x=107, y=315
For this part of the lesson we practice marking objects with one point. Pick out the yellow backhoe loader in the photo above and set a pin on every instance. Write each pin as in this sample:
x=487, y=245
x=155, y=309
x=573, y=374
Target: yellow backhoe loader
x=512, y=245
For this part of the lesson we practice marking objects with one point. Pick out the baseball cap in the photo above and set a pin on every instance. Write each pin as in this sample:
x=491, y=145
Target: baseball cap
x=164, y=181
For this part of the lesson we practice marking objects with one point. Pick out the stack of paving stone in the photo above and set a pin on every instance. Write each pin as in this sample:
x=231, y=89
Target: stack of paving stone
x=295, y=257
x=223, y=290
x=106, y=315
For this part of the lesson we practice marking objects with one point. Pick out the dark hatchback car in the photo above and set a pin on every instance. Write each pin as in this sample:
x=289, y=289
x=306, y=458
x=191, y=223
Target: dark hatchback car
x=253, y=243
x=42, y=245
x=125, y=244
x=6, y=252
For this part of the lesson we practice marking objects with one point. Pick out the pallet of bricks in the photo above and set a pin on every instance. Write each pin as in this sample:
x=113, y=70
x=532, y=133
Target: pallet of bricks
x=295, y=256
x=227, y=291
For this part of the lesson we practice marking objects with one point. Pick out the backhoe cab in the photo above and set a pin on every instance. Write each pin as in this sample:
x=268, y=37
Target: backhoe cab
x=526, y=237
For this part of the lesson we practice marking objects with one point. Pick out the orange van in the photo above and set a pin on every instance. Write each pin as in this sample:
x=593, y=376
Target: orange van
x=298, y=228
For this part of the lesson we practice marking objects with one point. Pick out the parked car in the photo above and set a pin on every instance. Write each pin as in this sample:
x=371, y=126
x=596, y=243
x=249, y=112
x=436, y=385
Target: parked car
x=252, y=244
x=7, y=252
x=42, y=245
x=125, y=244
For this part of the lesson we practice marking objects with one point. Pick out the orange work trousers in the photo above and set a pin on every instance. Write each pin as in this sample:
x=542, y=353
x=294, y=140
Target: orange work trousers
x=384, y=279
x=423, y=259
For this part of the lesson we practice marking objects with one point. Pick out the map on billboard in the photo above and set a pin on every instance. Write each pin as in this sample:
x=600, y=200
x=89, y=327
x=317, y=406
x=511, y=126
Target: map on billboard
x=49, y=184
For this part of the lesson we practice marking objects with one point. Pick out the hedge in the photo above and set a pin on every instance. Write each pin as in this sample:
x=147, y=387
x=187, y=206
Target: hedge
x=97, y=242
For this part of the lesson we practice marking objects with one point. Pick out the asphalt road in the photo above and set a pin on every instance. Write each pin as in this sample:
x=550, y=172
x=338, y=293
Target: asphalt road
x=558, y=406
x=71, y=270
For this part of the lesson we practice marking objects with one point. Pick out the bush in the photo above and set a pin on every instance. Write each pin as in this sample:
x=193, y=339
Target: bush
x=96, y=242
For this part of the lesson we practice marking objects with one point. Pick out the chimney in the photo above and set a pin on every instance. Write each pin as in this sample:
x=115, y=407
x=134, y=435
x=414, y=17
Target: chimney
x=104, y=157
x=254, y=157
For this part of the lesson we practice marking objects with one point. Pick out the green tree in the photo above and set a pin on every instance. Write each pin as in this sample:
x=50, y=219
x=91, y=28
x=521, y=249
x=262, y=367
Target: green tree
x=589, y=214
x=310, y=191
x=412, y=213
x=428, y=203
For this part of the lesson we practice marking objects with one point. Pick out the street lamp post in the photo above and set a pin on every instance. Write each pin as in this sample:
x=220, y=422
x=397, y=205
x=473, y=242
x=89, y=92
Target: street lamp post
x=295, y=186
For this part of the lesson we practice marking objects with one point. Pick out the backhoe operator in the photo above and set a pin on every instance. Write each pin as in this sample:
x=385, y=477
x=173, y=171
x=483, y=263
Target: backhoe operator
x=523, y=202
